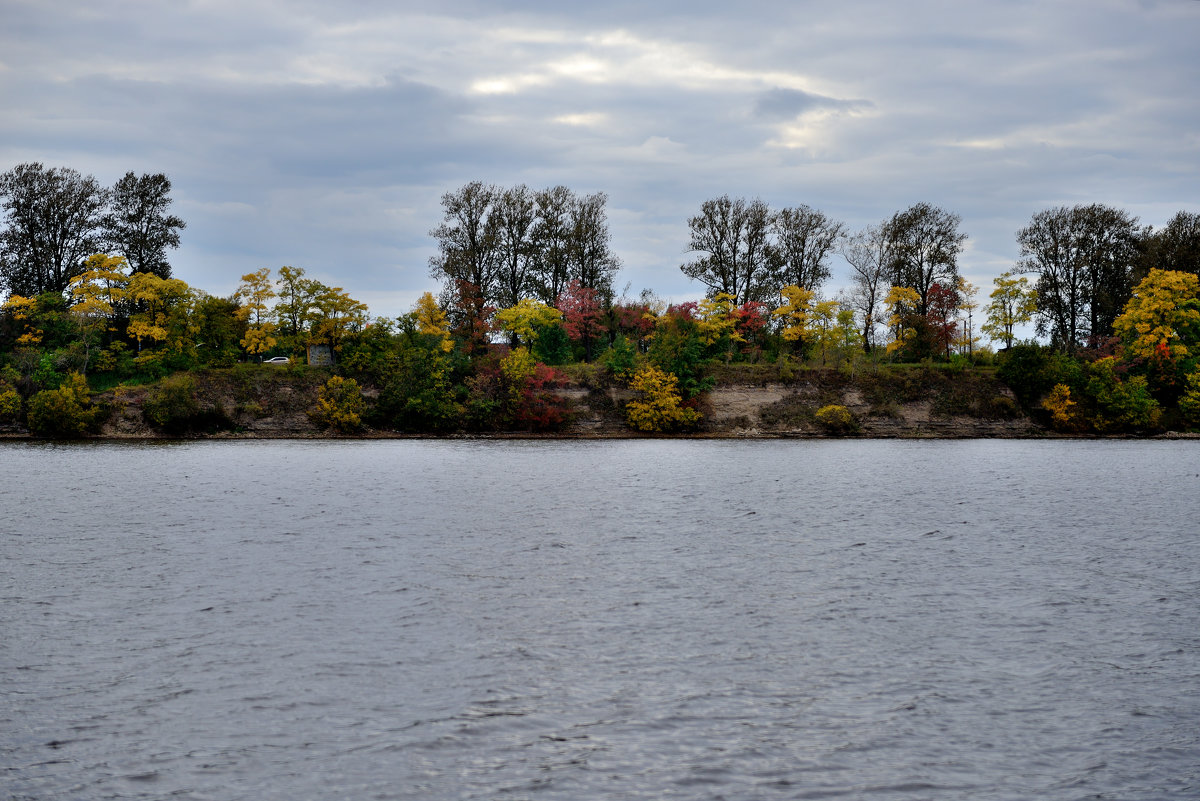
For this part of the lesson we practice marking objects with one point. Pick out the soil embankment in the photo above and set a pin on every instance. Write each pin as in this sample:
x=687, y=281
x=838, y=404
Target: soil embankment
x=272, y=403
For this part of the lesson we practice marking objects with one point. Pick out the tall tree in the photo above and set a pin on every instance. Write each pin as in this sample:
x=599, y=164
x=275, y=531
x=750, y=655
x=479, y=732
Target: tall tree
x=924, y=243
x=468, y=260
x=593, y=264
x=51, y=224
x=1084, y=259
x=1176, y=247
x=870, y=264
x=255, y=293
x=553, y=239
x=734, y=237
x=805, y=238
x=514, y=215
x=137, y=225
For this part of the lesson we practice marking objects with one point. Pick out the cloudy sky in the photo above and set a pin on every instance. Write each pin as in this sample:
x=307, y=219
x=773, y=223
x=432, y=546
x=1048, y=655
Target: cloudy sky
x=322, y=135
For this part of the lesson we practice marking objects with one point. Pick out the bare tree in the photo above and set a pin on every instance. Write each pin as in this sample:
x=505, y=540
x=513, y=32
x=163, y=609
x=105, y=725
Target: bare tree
x=870, y=263
x=735, y=237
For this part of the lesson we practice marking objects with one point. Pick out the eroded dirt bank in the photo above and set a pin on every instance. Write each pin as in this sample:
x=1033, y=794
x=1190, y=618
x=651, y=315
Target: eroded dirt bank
x=891, y=403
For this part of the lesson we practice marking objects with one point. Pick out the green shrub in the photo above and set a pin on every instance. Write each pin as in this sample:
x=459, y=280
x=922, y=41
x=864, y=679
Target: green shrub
x=64, y=412
x=172, y=404
x=836, y=419
x=340, y=405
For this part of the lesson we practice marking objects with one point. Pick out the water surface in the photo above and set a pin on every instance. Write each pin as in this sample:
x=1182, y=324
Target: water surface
x=615, y=619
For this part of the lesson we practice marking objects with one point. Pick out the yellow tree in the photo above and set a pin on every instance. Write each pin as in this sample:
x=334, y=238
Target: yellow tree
x=795, y=312
x=716, y=322
x=19, y=308
x=965, y=338
x=164, y=316
x=523, y=320
x=902, y=303
x=1164, y=312
x=431, y=321
x=660, y=406
x=335, y=314
x=95, y=293
x=255, y=291
x=1014, y=302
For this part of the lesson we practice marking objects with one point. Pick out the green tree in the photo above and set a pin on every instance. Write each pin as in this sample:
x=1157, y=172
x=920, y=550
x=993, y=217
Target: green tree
x=924, y=243
x=1014, y=303
x=51, y=224
x=138, y=225
x=64, y=412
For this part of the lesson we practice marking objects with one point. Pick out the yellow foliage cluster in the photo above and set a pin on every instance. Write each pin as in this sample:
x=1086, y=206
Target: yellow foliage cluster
x=340, y=404
x=526, y=317
x=1189, y=404
x=659, y=408
x=715, y=320
x=795, y=311
x=431, y=320
x=836, y=419
x=901, y=301
x=1062, y=409
x=1163, y=305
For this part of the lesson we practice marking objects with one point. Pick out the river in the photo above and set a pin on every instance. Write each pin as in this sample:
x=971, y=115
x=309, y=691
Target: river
x=600, y=620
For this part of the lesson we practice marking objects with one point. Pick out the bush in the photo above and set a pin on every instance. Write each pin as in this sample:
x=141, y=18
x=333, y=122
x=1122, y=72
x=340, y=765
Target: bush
x=10, y=404
x=62, y=412
x=340, y=405
x=660, y=408
x=172, y=404
x=836, y=419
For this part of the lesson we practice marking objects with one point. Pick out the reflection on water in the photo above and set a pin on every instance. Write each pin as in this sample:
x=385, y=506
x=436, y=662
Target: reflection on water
x=624, y=619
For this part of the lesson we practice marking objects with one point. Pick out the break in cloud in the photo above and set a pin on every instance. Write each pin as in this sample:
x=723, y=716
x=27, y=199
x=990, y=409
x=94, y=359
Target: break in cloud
x=322, y=135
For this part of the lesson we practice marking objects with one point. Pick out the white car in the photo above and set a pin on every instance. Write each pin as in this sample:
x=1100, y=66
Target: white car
x=277, y=360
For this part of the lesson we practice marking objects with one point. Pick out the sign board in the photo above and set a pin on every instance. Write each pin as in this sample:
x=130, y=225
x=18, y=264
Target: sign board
x=320, y=356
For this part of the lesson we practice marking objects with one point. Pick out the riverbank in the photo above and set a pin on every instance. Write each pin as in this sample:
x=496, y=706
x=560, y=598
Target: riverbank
x=747, y=402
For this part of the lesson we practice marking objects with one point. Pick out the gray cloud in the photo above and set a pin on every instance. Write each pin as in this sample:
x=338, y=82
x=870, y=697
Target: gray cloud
x=322, y=135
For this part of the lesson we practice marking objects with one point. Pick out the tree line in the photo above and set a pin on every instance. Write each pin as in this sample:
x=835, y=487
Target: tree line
x=527, y=284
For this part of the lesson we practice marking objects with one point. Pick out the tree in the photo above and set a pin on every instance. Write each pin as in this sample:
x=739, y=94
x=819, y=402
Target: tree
x=52, y=220
x=430, y=321
x=137, y=225
x=335, y=315
x=941, y=316
x=593, y=264
x=804, y=239
x=795, y=313
x=735, y=237
x=95, y=294
x=1083, y=257
x=254, y=293
x=553, y=242
x=1014, y=303
x=870, y=262
x=1176, y=247
x=523, y=320
x=660, y=406
x=468, y=260
x=902, y=303
x=924, y=243
x=1164, y=313
x=297, y=295
x=583, y=315
x=513, y=215
x=163, y=314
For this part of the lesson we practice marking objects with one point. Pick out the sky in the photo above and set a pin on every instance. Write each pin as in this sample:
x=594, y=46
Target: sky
x=323, y=135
